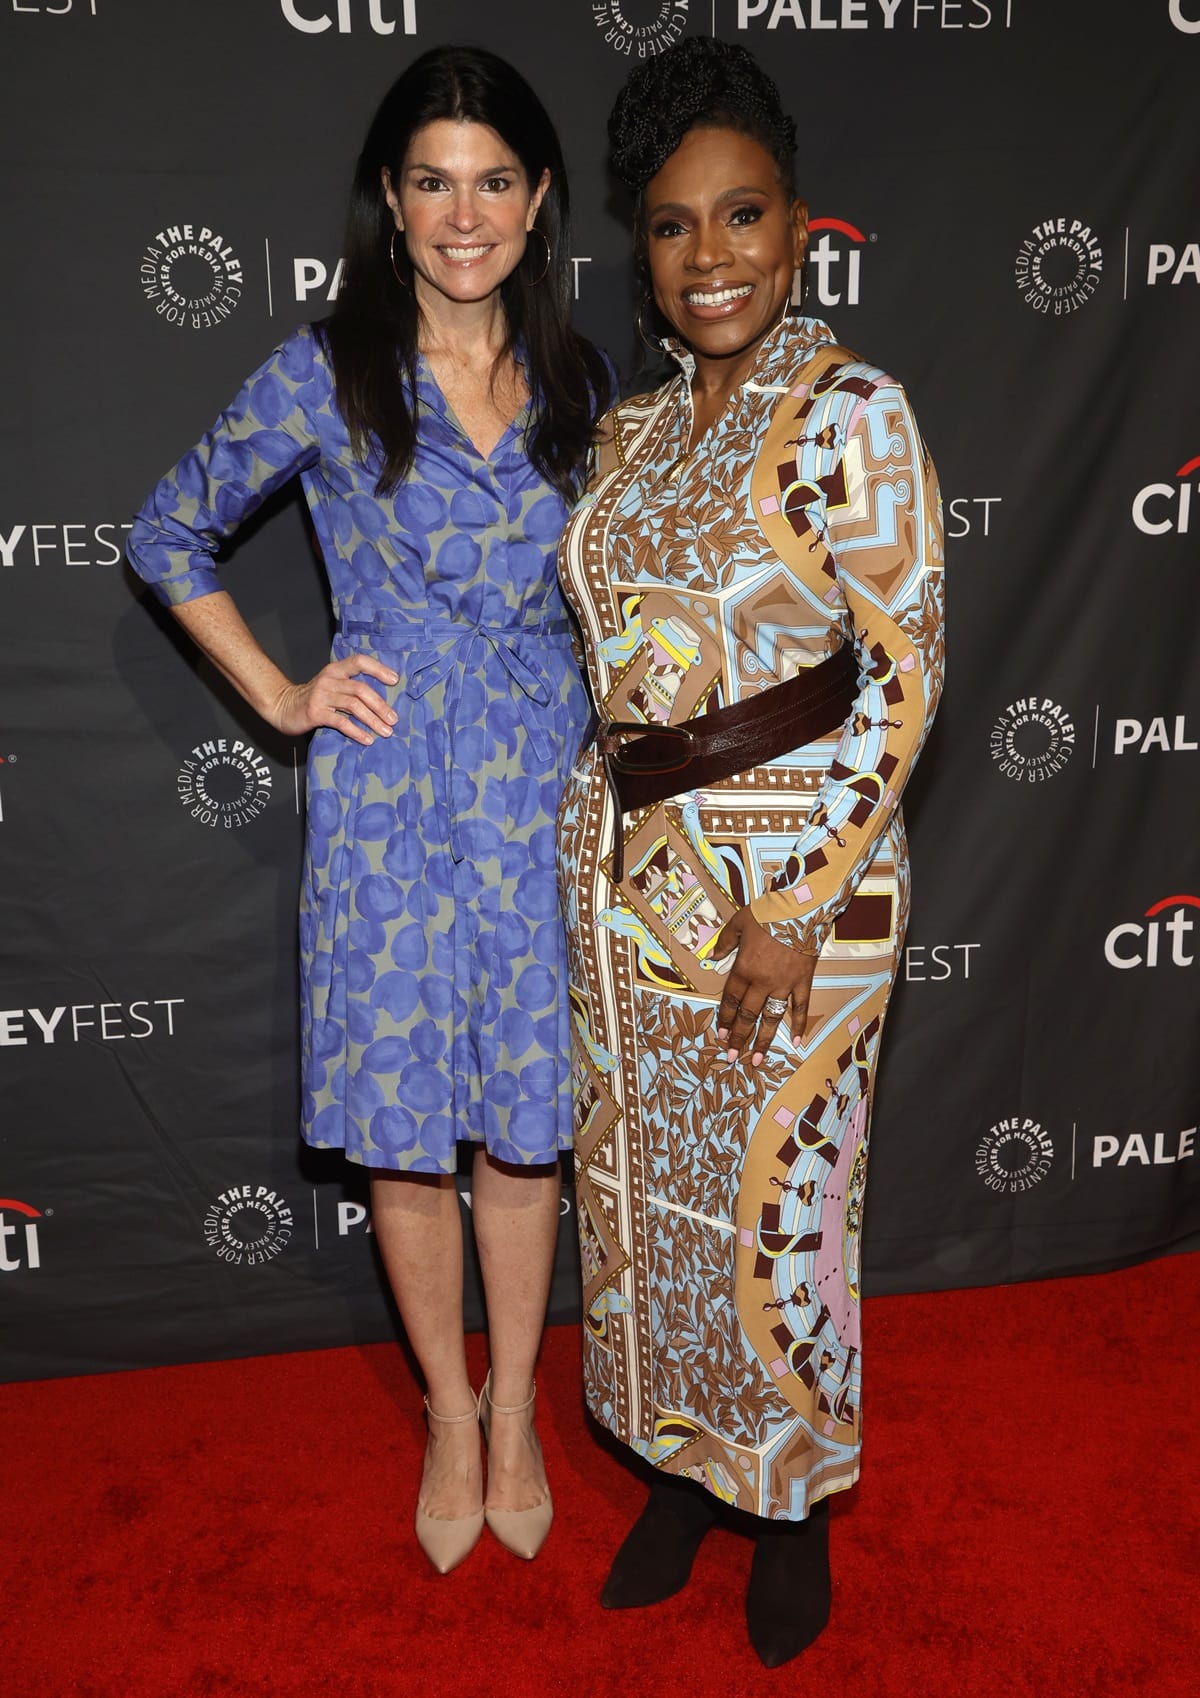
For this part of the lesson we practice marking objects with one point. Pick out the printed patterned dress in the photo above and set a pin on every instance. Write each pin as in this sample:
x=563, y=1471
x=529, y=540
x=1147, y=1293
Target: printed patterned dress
x=720, y=1205
x=432, y=953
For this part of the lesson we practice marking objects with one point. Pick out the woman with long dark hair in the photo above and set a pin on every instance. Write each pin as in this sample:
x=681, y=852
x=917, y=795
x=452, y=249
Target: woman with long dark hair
x=758, y=579
x=439, y=422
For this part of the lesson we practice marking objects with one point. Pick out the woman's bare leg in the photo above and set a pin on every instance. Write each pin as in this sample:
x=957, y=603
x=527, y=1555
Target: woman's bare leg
x=418, y=1227
x=515, y=1213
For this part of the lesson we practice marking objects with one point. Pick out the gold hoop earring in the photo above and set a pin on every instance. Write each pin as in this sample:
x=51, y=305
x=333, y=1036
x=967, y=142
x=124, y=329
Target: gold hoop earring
x=534, y=231
x=392, y=256
x=656, y=345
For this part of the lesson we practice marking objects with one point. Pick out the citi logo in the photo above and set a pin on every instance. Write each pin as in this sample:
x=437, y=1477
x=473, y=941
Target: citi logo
x=1188, y=26
x=834, y=272
x=18, y=1234
x=1172, y=510
x=1157, y=942
x=314, y=20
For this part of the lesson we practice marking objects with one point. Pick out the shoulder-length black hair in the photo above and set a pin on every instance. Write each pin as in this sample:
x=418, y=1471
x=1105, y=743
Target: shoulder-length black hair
x=372, y=332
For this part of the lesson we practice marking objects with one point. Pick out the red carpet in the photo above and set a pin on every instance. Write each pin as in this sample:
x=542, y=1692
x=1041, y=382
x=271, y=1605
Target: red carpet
x=1028, y=1523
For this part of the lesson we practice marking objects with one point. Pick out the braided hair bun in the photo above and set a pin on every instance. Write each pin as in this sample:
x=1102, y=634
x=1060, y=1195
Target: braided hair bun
x=697, y=82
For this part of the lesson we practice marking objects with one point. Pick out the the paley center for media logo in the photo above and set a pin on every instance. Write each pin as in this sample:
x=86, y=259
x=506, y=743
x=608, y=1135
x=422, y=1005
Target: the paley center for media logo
x=191, y=276
x=639, y=29
x=248, y=1225
x=1032, y=740
x=1059, y=266
x=224, y=783
x=1014, y=1155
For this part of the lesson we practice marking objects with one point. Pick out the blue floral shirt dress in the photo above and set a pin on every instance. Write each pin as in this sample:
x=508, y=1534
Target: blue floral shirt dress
x=433, y=1000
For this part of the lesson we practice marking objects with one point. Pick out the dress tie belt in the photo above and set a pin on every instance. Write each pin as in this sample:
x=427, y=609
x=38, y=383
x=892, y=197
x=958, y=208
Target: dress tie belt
x=426, y=652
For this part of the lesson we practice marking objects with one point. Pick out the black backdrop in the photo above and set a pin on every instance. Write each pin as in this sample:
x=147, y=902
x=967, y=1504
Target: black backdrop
x=1007, y=215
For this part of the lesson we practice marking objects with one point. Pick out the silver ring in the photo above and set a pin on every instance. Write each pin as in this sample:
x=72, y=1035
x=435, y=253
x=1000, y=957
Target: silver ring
x=775, y=1006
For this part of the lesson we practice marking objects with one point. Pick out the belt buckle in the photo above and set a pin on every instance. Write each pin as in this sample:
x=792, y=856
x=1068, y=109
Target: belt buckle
x=636, y=730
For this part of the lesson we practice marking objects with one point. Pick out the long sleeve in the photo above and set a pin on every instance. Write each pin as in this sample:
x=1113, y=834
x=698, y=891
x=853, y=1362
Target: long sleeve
x=265, y=436
x=876, y=509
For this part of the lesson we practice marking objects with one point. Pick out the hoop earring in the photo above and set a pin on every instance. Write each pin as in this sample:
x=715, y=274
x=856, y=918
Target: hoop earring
x=534, y=231
x=392, y=256
x=656, y=345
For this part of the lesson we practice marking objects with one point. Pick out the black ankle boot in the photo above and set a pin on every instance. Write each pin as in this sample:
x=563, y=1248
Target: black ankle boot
x=657, y=1556
x=787, y=1604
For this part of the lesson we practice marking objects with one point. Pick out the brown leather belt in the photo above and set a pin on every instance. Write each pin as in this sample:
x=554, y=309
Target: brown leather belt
x=645, y=763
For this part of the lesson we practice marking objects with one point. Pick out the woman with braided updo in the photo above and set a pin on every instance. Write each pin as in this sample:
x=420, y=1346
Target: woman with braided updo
x=757, y=572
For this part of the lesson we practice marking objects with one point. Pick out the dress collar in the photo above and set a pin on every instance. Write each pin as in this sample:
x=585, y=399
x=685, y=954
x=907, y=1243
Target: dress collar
x=777, y=352
x=429, y=391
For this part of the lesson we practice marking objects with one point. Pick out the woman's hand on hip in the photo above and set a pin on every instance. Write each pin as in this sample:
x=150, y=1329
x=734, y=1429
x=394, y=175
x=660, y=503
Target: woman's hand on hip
x=762, y=969
x=338, y=697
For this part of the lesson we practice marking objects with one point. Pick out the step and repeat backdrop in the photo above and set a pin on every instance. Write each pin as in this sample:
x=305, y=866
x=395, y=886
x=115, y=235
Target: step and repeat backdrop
x=1005, y=202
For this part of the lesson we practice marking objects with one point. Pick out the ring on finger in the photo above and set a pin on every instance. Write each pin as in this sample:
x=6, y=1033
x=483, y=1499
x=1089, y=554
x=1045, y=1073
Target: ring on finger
x=775, y=1006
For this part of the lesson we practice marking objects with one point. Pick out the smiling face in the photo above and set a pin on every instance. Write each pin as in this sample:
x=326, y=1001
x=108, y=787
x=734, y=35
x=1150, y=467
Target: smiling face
x=723, y=242
x=465, y=206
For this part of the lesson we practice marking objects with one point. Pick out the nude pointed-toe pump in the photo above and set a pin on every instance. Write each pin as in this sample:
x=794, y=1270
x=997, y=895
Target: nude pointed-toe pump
x=447, y=1540
x=522, y=1531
